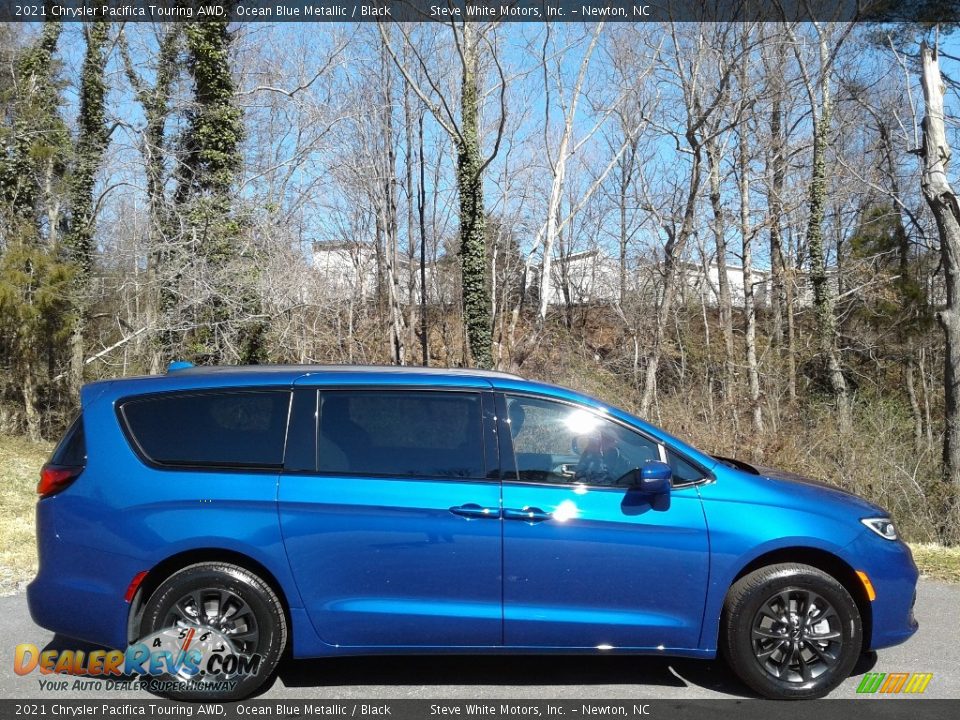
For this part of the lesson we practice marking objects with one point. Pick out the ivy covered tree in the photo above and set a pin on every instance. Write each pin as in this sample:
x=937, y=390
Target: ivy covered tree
x=35, y=154
x=463, y=129
x=36, y=149
x=473, y=249
x=92, y=139
x=223, y=321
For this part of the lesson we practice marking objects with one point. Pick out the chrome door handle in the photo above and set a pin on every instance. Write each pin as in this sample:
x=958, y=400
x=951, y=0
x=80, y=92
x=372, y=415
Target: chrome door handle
x=526, y=514
x=472, y=510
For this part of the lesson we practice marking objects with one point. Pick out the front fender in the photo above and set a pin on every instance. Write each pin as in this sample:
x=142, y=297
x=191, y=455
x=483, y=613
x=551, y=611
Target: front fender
x=741, y=532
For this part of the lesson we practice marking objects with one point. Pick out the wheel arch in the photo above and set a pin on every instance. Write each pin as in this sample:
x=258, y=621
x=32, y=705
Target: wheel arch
x=833, y=565
x=174, y=563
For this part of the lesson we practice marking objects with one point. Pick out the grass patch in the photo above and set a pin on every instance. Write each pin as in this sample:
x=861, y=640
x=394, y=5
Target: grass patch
x=936, y=561
x=20, y=461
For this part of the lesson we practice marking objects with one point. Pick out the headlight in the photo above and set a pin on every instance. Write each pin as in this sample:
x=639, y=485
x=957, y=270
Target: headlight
x=883, y=527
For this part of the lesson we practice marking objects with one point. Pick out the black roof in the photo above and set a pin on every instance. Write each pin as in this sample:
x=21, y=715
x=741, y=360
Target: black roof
x=391, y=369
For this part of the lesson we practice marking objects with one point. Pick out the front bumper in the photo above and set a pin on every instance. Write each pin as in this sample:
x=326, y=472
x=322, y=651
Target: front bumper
x=894, y=576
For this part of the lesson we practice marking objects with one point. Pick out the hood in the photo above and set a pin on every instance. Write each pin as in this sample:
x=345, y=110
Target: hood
x=791, y=478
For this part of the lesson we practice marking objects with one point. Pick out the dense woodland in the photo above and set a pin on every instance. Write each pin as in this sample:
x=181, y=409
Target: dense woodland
x=163, y=189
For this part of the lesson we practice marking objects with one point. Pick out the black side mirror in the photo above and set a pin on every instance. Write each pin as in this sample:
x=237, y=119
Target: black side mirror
x=652, y=478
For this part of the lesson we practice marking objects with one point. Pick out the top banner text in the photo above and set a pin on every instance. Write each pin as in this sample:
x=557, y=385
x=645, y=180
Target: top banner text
x=457, y=11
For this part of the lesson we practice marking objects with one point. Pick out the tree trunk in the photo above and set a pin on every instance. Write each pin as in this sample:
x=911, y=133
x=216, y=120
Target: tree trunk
x=904, y=284
x=91, y=144
x=155, y=100
x=823, y=295
x=228, y=325
x=789, y=284
x=909, y=371
x=30, y=401
x=724, y=300
x=781, y=277
x=926, y=389
x=946, y=210
x=408, y=127
x=421, y=215
x=749, y=306
x=559, y=173
x=473, y=250
x=672, y=252
x=388, y=209
x=776, y=170
x=622, y=289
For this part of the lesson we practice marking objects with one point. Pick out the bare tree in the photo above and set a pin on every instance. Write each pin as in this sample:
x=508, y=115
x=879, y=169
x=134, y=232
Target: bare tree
x=692, y=55
x=724, y=302
x=558, y=161
x=781, y=274
x=570, y=142
x=155, y=101
x=945, y=207
x=747, y=233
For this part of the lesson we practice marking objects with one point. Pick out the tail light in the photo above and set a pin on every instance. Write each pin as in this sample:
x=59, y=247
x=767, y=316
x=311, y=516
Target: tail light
x=54, y=478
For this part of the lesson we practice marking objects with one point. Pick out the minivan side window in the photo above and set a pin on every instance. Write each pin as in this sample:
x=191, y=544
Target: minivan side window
x=227, y=429
x=428, y=434
x=559, y=443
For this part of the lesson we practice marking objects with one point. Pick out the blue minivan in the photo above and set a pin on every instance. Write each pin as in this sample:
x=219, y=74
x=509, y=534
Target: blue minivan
x=338, y=510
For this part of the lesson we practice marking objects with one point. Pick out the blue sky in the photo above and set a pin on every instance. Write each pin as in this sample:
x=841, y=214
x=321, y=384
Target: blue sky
x=285, y=45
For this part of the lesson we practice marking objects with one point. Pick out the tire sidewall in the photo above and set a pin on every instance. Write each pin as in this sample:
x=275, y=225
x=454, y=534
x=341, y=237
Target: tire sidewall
x=255, y=592
x=739, y=645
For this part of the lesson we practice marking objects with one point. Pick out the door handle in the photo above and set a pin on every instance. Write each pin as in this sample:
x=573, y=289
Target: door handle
x=526, y=514
x=472, y=510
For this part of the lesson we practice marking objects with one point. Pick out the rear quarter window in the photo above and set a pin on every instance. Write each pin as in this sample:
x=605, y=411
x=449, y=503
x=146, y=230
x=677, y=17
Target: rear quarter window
x=72, y=449
x=227, y=429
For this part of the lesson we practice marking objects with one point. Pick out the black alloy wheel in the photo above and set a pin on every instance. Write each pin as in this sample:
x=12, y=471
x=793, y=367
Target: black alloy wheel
x=226, y=610
x=791, y=631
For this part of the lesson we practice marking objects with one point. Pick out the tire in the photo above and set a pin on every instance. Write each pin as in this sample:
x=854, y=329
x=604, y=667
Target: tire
x=235, y=602
x=771, y=644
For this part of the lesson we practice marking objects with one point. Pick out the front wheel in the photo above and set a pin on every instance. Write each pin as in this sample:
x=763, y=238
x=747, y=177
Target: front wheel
x=223, y=630
x=791, y=631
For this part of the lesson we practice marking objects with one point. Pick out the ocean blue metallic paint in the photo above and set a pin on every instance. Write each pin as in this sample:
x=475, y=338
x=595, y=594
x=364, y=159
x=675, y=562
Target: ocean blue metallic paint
x=389, y=564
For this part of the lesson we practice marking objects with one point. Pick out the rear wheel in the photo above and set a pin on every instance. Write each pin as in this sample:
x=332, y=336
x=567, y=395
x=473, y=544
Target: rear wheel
x=231, y=620
x=791, y=631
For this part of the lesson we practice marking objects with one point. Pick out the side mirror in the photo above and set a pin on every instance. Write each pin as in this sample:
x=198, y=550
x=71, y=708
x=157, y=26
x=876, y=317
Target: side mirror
x=653, y=478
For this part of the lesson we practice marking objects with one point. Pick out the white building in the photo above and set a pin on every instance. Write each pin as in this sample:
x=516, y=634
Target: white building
x=346, y=269
x=594, y=276
x=350, y=269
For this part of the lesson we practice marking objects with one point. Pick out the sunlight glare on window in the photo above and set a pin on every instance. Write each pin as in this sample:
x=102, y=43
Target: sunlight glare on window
x=580, y=422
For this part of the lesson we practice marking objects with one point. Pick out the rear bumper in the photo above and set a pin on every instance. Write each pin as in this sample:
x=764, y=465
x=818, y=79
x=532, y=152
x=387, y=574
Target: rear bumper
x=894, y=576
x=79, y=591
x=78, y=613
